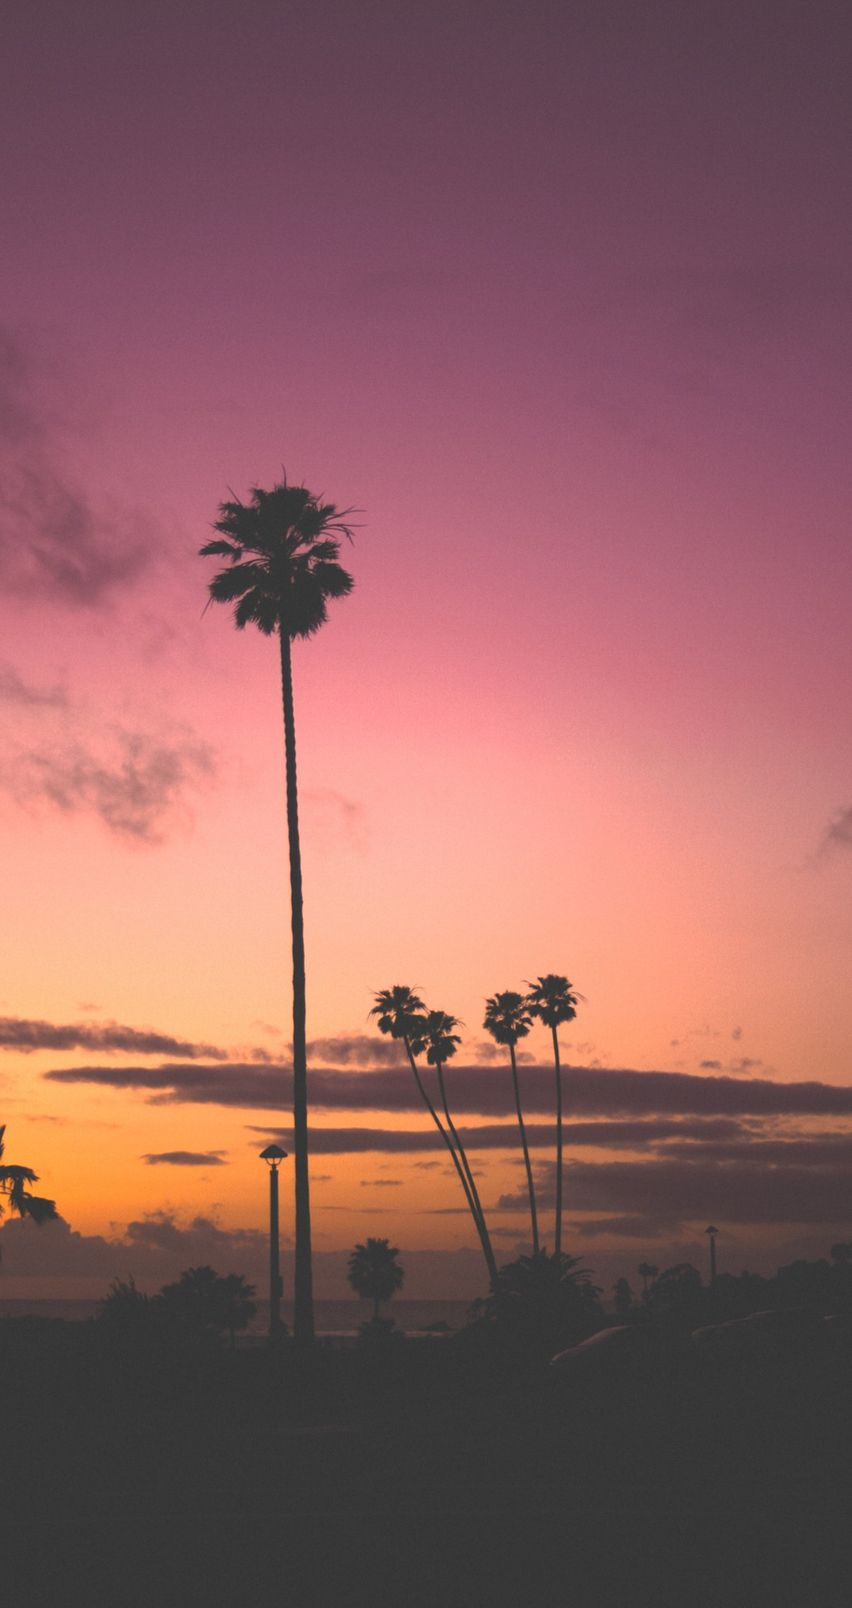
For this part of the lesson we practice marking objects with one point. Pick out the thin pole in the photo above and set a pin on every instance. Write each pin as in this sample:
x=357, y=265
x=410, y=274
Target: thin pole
x=274, y=1272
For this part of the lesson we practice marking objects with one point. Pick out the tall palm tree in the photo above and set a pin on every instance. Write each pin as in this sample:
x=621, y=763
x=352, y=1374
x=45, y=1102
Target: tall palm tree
x=433, y=1034
x=13, y=1182
x=400, y=1012
x=552, y=999
x=282, y=548
x=507, y=1019
x=374, y=1272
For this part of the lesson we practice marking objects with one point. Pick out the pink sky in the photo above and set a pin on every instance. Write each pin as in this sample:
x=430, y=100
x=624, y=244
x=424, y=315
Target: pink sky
x=559, y=295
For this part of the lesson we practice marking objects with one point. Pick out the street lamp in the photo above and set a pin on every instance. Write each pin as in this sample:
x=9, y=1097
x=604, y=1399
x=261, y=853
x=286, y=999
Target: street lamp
x=273, y=1155
x=712, y=1231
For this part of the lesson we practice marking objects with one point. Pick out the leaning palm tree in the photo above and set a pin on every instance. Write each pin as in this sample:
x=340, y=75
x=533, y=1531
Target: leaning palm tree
x=13, y=1184
x=282, y=548
x=552, y=999
x=400, y=1012
x=507, y=1019
x=433, y=1035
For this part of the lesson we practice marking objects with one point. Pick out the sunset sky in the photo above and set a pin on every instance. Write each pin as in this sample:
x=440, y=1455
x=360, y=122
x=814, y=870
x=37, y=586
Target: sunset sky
x=558, y=296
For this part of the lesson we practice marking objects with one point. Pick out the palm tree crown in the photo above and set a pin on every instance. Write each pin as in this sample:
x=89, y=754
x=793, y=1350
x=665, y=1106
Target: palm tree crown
x=552, y=999
x=283, y=549
x=433, y=1033
x=13, y=1182
x=507, y=1017
x=398, y=1010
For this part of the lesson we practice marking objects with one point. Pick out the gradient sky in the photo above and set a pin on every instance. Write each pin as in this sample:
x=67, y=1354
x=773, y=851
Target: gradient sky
x=559, y=296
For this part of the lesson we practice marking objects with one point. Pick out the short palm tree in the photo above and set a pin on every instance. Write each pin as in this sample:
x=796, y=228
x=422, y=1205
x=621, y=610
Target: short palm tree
x=433, y=1036
x=646, y=1271
x=399, y=1011
x=507, y=1019
x=13, y=1184
x=374, y=1272
x=282, y=548
x=552, y=999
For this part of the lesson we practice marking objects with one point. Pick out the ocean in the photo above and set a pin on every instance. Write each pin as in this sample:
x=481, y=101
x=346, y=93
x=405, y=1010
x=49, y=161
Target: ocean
x=331, y=1318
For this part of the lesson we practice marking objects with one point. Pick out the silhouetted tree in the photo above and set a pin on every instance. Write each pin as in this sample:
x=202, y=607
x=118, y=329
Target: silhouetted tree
x=550, y=1301
x=553, y=1001
x=507, y=1019
x=202, y=1299
x=13, y=1185
x=433, y=1034
x=283, y=548
x=400, y=1013
x=646, y=1271
x=678, y=1296
x=374, y=1272
x=623, y=1298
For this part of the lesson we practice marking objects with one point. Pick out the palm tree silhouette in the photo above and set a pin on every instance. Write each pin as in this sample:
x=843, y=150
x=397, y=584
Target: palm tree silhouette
x=433, y=1034
x=13, y=1182
x=507, y=1019
x=374, y=1272
x=646, y=1271
x=400, y=1012
x=552, y=999
x=282, y=547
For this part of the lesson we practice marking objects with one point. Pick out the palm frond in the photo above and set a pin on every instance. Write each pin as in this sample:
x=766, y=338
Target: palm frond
x=220, y=549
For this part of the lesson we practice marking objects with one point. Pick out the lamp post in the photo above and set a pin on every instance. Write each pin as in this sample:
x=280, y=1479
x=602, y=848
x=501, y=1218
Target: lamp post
x=273, y=1155
x=712, y=1231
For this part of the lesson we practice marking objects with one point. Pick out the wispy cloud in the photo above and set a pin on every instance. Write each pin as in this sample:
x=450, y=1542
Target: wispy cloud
x=838, y=833
x=58, y=540
x=136, y=786
x=15, y=690
x=331, y=818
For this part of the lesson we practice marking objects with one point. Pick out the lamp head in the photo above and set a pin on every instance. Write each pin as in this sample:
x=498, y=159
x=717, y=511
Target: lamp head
x=273, y=1154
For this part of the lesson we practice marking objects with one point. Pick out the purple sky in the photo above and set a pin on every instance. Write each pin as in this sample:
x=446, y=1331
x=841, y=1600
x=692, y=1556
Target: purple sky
x=559, y=295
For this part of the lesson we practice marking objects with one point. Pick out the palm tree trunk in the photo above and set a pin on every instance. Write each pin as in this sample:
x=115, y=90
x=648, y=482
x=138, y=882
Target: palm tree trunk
x=526, y=1150
x=476, y=1206
x=472, y=1198
x=303, y=1317
x=557, y=1236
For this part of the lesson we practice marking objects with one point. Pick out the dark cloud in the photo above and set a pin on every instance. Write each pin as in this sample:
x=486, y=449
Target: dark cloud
x=381, y=1183
x=136, y=787
x=14, y=690
x=20, y=1033
x=687, y=1190
x=57, y=540
x=591, y=1091
x=606, y=1135
x=186, y=1158
x=626, y=1227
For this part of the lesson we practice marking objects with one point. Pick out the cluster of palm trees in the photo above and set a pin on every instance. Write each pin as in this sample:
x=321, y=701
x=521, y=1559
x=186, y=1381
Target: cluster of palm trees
x=551, y=1000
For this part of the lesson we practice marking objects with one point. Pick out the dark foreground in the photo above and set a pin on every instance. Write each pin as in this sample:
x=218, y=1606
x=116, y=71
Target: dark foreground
x=432, y=1473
